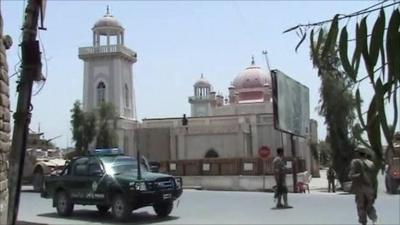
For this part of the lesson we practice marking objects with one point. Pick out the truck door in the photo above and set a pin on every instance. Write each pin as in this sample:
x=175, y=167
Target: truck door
x=96, y=181
x=78, y=186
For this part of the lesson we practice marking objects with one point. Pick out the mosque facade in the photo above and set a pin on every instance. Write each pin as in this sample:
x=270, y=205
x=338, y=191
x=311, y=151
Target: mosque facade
x=236, y=126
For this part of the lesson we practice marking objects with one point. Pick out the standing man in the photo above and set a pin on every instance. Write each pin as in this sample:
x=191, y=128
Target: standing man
x=280, y=178
x=361, y=173
x=331, y=176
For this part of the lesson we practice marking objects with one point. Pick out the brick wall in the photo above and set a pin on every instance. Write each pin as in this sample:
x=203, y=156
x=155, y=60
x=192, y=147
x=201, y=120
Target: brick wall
x=5, y=43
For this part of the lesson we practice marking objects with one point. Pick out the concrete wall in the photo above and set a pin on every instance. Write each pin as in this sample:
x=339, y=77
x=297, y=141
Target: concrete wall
x=226, y=145
x=154, y=143
x=231, y=136
x=4, y=125
x=238, y=183
x=239, y=109
x=125, y=135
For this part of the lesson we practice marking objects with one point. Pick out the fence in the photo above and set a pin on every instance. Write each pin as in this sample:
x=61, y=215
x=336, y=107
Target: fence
x=224, y=167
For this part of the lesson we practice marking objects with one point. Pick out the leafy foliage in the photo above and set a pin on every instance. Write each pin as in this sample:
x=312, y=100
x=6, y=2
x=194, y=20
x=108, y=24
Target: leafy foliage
x=336, y=103
x=381, y=57
x=106, y=137
x=90, y=126
x=83, y=128
x=325, y=153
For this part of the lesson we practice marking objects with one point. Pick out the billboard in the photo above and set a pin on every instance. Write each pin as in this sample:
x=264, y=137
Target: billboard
x=291, y=104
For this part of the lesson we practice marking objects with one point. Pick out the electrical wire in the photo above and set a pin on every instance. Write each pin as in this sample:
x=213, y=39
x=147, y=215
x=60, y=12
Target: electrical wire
x=367, y=10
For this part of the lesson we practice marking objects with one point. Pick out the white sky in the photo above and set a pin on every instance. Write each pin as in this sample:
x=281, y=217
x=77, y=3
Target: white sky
x=175, y=42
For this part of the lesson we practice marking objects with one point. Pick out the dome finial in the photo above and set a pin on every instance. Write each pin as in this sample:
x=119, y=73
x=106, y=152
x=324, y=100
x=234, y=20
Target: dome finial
x=252, y=60
x=108, y=10
x=202, y=76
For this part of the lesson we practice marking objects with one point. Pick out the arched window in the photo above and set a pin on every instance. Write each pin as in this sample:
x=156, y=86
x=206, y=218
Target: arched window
x=126, y=96
x=101, y=93
x=211, y=154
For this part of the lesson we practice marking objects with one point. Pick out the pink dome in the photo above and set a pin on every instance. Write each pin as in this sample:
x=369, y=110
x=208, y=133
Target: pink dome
x=252, y=77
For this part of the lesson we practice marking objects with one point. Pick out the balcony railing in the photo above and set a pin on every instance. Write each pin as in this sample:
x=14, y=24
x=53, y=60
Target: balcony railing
x=207, y=97
x=85, y=51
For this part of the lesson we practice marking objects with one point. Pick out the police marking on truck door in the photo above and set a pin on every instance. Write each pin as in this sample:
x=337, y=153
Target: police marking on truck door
x=92, y=193
x=94, y=186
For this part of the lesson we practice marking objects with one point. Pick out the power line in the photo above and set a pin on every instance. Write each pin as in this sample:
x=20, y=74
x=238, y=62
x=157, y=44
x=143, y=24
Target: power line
x=344, y=16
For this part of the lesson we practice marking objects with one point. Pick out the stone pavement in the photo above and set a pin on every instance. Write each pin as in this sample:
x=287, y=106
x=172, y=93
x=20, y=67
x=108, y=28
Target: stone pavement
x=320, y=184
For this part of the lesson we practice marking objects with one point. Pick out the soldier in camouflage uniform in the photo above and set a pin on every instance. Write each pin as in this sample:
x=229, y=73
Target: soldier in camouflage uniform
x=280, y=178
x=361, y=173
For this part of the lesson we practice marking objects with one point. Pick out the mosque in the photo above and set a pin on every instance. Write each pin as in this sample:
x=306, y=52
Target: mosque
x=233, y=127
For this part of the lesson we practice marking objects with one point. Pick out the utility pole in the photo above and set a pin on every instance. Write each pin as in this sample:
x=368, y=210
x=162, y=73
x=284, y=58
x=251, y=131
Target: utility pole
x=31, y=71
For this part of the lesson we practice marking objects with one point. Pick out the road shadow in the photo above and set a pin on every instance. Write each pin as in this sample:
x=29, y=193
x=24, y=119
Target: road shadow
x=91, y=216
x=30, y=191
x=21, y=222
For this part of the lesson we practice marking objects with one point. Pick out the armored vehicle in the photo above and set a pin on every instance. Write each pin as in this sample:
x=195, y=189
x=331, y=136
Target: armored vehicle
x=41, y=158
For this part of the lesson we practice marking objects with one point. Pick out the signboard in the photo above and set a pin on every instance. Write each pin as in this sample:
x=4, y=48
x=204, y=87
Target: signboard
x=248, y=166
x=172, y=166
x=206, y=166
x=264, y=152
x=290, y=104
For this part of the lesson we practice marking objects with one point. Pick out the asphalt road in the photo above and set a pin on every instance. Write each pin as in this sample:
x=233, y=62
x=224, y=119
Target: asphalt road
x=220, y=207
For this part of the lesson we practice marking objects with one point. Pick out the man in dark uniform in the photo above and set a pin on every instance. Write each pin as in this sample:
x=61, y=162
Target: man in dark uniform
x=331, y=175
x=361, y=173
x=280, y=179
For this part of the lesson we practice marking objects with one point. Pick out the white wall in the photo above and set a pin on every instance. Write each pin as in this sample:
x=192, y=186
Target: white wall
x=226, y=145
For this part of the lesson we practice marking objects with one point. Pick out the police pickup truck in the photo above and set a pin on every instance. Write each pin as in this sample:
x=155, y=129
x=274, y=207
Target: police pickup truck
x=108, y=179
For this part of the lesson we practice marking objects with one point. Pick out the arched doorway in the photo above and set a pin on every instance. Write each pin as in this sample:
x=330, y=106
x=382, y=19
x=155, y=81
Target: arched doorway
x=211, y=153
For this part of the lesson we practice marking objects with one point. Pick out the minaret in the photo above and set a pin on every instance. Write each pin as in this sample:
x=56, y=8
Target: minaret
x=108, y=69
x=201, y=101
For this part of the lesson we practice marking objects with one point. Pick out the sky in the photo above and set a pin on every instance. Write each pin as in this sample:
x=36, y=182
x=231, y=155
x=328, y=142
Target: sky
x=175, y=41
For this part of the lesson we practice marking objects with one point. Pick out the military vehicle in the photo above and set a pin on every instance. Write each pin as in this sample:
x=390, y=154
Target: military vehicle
x=392, y=176
x=41, y=158
x=108, y=179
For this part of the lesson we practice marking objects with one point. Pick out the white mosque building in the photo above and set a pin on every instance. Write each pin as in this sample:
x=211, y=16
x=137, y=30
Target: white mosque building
x=233, y=127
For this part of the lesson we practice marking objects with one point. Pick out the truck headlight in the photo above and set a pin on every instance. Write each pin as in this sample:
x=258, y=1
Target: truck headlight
x=140, y=186
x=178, y=182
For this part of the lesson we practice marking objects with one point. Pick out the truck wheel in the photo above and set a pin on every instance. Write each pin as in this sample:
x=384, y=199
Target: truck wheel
x=120, y=208
x=103, y=209
x=64, y=204
x=164, y=208
x=38, y=180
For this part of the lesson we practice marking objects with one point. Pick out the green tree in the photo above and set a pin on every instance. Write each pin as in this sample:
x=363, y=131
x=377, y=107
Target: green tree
x=337, y=106
x=106, y=116
x=325, y=153
x=379, y=50
x=83, y=128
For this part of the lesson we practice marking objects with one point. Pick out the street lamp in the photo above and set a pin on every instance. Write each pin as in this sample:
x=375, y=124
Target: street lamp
x=265, y=53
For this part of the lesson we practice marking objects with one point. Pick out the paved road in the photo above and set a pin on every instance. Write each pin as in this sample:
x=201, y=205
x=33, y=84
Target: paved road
x=220, y=207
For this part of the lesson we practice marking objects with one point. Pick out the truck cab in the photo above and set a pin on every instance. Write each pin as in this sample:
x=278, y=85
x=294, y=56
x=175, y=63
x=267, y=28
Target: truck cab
x=109, y=179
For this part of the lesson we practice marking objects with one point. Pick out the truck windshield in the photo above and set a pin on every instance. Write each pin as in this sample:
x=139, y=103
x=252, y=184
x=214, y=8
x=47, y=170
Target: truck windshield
x=124, y=166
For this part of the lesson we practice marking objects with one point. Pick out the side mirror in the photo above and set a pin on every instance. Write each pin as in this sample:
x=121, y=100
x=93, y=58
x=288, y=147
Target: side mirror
x=154, y=168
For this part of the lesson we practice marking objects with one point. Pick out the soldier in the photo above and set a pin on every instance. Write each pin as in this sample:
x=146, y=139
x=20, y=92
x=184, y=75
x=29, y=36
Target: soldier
x=280, y=178
x=361, y=173
x=331, y=175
